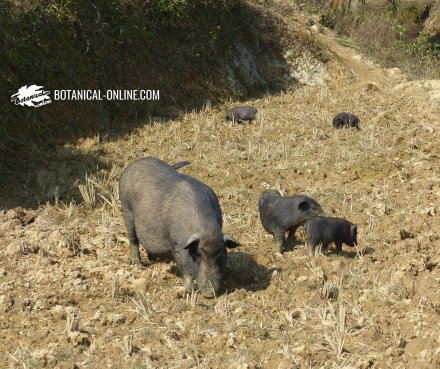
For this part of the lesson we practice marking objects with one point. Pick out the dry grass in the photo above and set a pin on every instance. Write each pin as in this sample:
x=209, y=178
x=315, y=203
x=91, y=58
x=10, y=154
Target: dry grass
x=143, y=306
x=115, y=286
x=88, y=192
x=337, y=335
x=73, y=320
x=128, y=345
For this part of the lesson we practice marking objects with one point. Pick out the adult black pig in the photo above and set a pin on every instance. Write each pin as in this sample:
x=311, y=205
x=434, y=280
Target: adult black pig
x=345, y=119
x=241, y=113
x=166, y=211
x=325, y=230
x=280, y=214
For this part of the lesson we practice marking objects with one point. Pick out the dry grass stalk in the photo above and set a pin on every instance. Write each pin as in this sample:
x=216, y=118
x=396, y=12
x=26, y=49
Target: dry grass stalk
x=192, y=297
x=223, y=307
x=73, y=320
x=331, y=290
x=21, y=356
x=336, y=337
x=88, y=192
x=69, y=209
x=143, y=306
x=115, y=286
x=128, y=345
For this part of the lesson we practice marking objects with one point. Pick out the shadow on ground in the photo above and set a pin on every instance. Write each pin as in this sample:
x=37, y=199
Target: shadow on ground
x=243, y=272
x=229, y=52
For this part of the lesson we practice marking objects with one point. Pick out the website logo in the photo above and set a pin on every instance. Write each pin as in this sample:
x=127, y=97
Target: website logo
x=33, y=96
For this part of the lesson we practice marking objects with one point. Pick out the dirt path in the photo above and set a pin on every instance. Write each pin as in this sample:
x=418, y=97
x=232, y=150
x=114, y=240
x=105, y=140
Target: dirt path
x=362, y=69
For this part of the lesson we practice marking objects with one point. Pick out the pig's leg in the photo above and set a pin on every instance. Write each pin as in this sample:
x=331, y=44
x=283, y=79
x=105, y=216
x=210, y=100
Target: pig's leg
x=132, y=238
x=279, y=237
x=291, y=236
x=185, y=270
x=338, y=248
x=312, y=247
x=324, y=246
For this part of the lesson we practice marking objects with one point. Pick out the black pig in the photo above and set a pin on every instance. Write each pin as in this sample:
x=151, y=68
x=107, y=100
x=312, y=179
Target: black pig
x=345, y=119
x=166, y=211
x=325, y=230
x=280, y=214
x=241, y=113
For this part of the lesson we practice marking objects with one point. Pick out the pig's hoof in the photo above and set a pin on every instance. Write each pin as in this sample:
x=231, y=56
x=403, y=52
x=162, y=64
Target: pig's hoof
x=135, y=261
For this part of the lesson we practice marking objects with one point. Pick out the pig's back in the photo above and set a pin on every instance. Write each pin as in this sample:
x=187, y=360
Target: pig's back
x=168, y=206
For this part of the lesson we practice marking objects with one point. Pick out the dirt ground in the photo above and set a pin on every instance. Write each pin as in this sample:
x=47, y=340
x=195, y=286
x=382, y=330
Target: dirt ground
x=70, y=299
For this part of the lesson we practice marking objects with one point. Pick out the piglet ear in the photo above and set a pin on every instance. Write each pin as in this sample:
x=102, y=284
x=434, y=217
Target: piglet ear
x=193, y=241
x=230, y=243
x=303, y=206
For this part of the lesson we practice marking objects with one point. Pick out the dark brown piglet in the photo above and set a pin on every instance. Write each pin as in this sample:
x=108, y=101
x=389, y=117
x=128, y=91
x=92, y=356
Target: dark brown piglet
x=345, y=119
x=325, y=230
x=241, y=113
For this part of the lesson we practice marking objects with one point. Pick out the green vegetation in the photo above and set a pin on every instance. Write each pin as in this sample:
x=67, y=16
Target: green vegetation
x=391, y=32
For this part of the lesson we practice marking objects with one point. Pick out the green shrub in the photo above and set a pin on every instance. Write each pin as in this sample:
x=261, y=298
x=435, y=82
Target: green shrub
x=392, y=33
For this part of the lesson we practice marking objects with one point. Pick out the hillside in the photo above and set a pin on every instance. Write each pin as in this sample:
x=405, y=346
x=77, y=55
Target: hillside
x=69, y=298
x=193, y=51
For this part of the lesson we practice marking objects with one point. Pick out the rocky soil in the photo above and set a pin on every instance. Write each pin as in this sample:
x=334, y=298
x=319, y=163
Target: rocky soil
x=70, y=299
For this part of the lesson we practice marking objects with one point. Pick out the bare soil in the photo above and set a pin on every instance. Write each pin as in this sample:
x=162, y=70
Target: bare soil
x=70, y=299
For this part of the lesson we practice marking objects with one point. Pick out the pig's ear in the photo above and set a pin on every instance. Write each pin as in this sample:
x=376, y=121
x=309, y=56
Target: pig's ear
x=193, y=241
x=354, y=229
x=303, y=206
x=230, y=243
